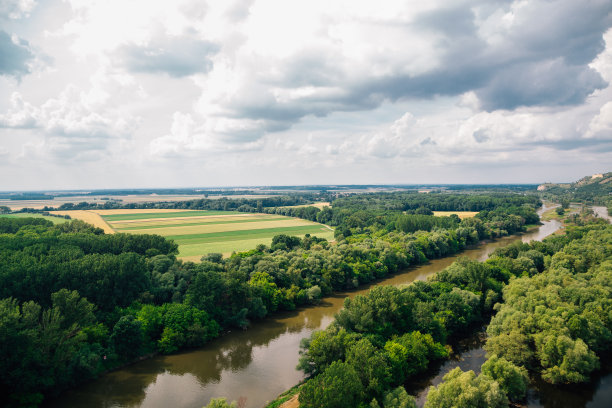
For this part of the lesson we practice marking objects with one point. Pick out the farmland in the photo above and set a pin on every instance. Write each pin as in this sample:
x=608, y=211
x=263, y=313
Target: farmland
x=460, y=214
x=55, y=220
x=201, y=232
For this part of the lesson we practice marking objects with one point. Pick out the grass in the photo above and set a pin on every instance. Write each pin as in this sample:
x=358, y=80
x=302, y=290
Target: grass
x=200, y=232
x=285, y=396
x=552, y=214
x=250, y=234
x=215, y=228
x=182, y=223
x=55, y=220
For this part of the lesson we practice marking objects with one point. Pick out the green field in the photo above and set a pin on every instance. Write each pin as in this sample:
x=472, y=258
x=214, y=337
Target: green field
x=200, y=232
x=55, y=220
x=141, y=216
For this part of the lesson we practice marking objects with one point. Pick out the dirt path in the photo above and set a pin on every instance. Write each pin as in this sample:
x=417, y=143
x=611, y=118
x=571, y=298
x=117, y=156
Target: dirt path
x=292, y=403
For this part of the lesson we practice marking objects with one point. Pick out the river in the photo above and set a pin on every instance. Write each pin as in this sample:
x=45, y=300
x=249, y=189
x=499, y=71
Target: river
x=255, y=365
x=602, y=212
x=470, y=355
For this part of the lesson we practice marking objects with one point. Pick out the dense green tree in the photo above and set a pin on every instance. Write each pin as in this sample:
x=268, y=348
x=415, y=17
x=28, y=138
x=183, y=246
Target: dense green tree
x=371, y=367
x=220, y=403
x=512, y=379
x=395, y=398
x=127, y=337
x=466, y=390
x=337, y=387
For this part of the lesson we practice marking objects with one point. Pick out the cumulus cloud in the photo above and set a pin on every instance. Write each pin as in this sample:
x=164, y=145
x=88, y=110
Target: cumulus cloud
x=506, y=55
x=16, y=9
x=71, y=126
x=176, y=56
x=601, y=125
x=340, y=84
x=15, y=55
x=187, y=137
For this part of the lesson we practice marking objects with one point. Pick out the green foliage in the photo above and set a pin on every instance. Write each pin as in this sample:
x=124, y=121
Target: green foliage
x=325, y=347
x=338, y=387
x=410, y=354
x=395, y=398
x=512, y=379
x=466, y=390
x=42, y=349
x=371, y=367
x=173, y=326
x=563, y=359
x=127, y=337
x=140, y=299
x=220, y=403
x=557, y=322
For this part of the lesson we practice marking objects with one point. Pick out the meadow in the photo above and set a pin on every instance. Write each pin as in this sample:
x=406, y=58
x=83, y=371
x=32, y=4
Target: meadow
x=200, y=232
x=55, y=220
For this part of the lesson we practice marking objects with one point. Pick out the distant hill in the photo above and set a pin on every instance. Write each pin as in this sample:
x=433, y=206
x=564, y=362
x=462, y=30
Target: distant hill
x=596, y=188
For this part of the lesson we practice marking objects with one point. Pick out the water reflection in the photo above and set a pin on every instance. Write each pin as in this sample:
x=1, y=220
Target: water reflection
x=257, y=364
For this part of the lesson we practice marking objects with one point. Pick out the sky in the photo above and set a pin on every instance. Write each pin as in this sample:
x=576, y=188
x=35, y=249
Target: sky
x=144, y=94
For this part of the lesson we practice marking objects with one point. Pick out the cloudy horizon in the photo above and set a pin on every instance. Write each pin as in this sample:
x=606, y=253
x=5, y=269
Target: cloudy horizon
x=140, y=94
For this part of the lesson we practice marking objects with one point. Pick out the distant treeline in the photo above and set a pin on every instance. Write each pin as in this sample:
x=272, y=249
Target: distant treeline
x=434, y=201
x=410, y=212
x=122, y=192
x=221, y=204
x=26, y=196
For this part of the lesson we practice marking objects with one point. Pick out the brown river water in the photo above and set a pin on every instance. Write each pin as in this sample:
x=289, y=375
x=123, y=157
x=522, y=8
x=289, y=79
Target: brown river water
x=259, y=363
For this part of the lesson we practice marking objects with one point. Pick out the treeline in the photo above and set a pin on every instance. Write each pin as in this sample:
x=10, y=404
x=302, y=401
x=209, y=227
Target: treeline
x=409, y=212
x=220, y=204
x=406, y=201
x=557, y=318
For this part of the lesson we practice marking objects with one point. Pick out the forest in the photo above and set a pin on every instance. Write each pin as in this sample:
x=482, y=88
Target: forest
x=551, y=304
x=76, y=302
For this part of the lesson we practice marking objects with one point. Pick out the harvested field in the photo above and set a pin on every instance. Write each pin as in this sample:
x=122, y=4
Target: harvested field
x=317, y=205
x=460, y=214
x=89, y=217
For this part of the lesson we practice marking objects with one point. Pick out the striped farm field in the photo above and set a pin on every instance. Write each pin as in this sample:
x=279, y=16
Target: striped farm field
x=200, y=232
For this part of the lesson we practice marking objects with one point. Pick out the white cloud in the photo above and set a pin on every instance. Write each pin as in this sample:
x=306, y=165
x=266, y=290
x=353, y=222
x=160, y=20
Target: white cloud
x=602, y=123
x=73, y=124
x=299, y=85
x=16, y=9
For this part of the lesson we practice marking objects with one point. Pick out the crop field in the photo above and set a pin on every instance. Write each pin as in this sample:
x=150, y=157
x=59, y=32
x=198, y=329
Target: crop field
x=200, y=232
x=90, y=217
x=460, y=214
x=55, y=220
